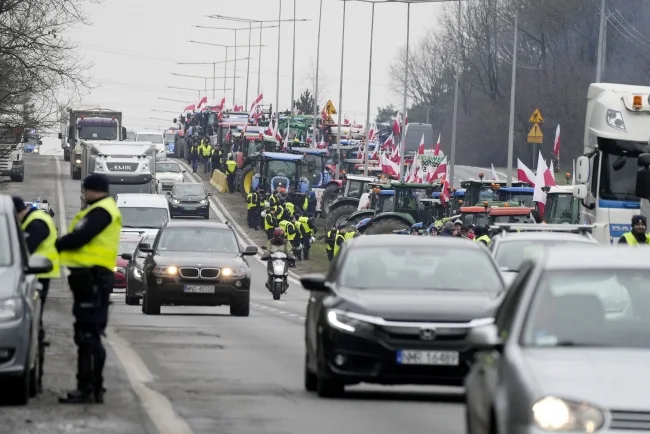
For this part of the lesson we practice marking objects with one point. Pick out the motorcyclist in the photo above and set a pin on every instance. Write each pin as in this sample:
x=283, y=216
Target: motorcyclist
x=279, y=243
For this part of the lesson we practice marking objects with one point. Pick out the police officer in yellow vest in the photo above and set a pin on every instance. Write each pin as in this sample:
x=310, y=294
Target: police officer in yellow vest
x=231, y=168
x=89, y=250
x=637, y=235
x=343, y=235
x=293, y=236
x=308, y=229
x=253, y=204
x=205, y=151
x=481, y=236
x=270, y=222
x=40, y=237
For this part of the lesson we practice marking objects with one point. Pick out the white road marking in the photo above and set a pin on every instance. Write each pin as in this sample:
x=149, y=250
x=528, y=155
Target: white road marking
x=158, y=407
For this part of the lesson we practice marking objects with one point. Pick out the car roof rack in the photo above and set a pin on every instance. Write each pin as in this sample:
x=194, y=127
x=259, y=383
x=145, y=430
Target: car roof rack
x=535, y=227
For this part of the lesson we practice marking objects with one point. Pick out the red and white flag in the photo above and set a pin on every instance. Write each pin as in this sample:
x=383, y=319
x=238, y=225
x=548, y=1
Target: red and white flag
x=201, y=103
x=371, y=133
x=524, y=174
x=388, y=144
x=256, y=103
x=285, y=144
x=421, y=147
x=190, y=108
x=556, y=143
x=397, y=127
x=495, y=177
x=436, y=150
x=539, y=195
x=549, y=176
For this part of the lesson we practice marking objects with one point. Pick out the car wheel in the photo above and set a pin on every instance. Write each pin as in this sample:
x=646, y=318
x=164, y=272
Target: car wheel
x=240, y=309
x=34, y=373
x=311, y=380
x=149, y=306
x=20, y=389
x=207, y=216
x=131, y=300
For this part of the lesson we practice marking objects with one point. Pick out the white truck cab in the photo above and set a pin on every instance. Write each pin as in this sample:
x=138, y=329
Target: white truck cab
x=617, y=129
x=157, y=139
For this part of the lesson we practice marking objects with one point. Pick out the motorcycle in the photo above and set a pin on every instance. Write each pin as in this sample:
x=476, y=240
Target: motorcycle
x=278, y=271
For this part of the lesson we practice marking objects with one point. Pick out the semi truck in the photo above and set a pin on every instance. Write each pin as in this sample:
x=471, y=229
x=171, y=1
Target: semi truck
x=129, y=166
x=89, y=124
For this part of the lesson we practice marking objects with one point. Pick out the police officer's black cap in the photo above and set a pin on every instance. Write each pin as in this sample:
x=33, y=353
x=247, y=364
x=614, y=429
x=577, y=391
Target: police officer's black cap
x=636, y=219
x=96, y=182
x=19, y=204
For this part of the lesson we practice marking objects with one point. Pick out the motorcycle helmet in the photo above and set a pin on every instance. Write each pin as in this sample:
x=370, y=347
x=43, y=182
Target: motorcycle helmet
x=278, y=233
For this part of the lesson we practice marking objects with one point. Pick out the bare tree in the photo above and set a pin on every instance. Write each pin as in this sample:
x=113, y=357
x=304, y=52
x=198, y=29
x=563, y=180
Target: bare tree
x=323, y=82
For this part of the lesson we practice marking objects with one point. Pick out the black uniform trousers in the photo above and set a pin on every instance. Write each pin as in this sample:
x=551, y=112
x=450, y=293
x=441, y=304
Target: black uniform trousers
x=230, y=179
x=91, y=289
x=254, y=217
x=306, y=246
x=45, y=283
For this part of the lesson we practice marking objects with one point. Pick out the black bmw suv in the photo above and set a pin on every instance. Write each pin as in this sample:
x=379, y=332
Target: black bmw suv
x=189, y=200
x=196, y=264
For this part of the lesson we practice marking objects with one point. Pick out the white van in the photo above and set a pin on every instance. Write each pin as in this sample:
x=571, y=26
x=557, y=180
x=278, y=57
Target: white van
x=156, y=138
x=142, y=212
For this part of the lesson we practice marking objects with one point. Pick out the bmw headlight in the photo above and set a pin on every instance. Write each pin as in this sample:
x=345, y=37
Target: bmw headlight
x=347, y=321
x=99, y=166
x=203, y=201
x=145, y=167
x=615, y=119
x=11, y=309
x=229, y=272
x=176, y=201
x=169, y=270
x=558, y=415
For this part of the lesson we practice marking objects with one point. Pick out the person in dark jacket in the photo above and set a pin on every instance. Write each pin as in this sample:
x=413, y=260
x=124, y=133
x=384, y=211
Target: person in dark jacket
x=89, y=251
x=536, y=216
x=638, y=234
x=448, y=229
x=311, y=204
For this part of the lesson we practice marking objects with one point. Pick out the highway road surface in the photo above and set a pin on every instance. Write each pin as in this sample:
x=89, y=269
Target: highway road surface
x=198, y=370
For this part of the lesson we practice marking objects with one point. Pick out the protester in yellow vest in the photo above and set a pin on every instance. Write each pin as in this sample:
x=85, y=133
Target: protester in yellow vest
x=89, y=250
x=231, y=168
x=343, y=236
x=41, y=235
x=308, y=229
x=637, y=235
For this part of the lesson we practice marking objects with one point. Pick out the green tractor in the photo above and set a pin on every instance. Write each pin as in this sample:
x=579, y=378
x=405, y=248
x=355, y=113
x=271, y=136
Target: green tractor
x=298, y=124
x=248, y=146
x=412, y=203
x=343, y=207
x=382, y=199
x=478, y=192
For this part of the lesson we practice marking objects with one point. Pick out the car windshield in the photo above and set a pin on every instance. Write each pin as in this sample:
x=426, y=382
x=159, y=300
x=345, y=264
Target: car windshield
x=198, y=239
x=590, y=308
x=170, y=137
x=153, y=138
x=562, y=208
x=5, y=245
x=168, y=167
x=127, y=246
x=98, y=132
x=500, y=219
x=143, y=218
x=189, y=189
x=510, y=253
x=425, y=268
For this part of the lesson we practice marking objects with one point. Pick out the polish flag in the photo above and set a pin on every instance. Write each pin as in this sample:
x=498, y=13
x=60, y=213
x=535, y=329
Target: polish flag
x=346, y=121
x=285, y=145
x=494, y=173
x=539, y=195
x=388, y=143
x=436, y=151
x=228, y=135
x=371, y=133
x=190, y=108
x=201, y=103
x=421, y=147
x=549, y=177
x=524, y=174
x=223, y=102
x=257, y=101
x=439, y=171
x=397, y=128
x=556, y=143
x=444, y=194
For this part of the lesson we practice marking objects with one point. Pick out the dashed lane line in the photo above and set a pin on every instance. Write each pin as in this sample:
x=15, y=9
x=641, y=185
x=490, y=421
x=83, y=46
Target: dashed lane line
x=158, y=407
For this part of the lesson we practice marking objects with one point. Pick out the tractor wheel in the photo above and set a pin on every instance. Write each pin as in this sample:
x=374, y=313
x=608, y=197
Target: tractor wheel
x=247, y=180
x=386, y=226
x=355, y=221
x=339, y=214
x=330, y=194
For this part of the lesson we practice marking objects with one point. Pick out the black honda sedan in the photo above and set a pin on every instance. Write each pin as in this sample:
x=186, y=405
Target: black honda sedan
x=196, y=264
x=397, y=310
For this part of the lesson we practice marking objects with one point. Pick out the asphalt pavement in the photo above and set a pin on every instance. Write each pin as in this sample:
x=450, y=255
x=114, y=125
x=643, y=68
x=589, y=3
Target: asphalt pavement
x=199, y=370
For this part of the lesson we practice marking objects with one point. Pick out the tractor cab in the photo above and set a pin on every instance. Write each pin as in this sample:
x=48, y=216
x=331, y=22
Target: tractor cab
x=277, y=171
x=253, y=141
x=516, y=196
x=373, y=169
x=315, y=169
x=561, y=206
x=227, y=130
x=479, y=191
x=475, y=215
x=508, y=214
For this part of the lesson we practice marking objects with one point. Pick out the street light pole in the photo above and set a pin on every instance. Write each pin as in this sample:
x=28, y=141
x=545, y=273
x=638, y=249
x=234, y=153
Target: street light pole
x=225, y=73
x=454, y=122
x=214, y=78
x=320, y=20
x=248, y=65
x=601, y=42
x=293, y=63
x=402, y=142
x=234, y=80
x=513, y=88
x=365, y=148
x=259, y=64
x=277, y=76
x=340, y=116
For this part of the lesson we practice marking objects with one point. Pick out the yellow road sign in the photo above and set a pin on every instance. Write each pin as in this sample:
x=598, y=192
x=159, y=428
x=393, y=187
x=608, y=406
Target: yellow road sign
x=535, y=135
x=329, y=119
x=329, y=108
x=536, y=117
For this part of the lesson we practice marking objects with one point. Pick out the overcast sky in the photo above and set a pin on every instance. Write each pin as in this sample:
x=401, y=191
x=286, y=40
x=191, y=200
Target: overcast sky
x=135, y=45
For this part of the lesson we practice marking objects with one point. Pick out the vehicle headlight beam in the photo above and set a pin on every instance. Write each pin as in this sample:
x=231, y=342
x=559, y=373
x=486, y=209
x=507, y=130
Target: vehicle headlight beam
x=558, y=415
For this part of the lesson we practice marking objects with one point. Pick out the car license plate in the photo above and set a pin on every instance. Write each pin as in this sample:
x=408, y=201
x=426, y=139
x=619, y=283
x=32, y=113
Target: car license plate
x=445, y=358
x=188, y=208
x=199, y=289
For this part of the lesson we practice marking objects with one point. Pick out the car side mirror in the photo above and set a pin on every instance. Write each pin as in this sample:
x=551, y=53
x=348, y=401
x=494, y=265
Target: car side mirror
x=123, y=133
x=485, y=338
x=581, y=191
x=183, y=171
x=145, y=247
x=38, y=265
x=127, y=256
x=250, y=251
x=60, y=136
x=315, y=282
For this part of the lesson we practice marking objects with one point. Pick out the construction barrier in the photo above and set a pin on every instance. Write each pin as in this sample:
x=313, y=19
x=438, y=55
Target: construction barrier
x=218, y=181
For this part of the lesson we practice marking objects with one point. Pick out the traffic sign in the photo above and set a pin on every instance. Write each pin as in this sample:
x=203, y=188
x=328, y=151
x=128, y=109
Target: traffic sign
x=536, y=117
x=329, y=119
x=329, y=108
x=535, y=135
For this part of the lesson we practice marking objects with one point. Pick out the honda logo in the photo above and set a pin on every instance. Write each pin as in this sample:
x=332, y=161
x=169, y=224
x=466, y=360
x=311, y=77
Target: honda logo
x=427, y=334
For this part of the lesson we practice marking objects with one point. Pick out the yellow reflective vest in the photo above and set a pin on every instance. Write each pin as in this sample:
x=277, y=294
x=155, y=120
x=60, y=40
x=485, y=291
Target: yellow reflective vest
x=102, y=250
x=47, y=247
x=269, y=221
x=289, y=229
x=290, y=207
x=231, y=166
x=631, y=239
x=484, y=238
x=251, y=200
x=348, y=236
x=304, y=222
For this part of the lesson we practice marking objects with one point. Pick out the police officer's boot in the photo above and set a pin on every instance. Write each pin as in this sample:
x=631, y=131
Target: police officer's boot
x=84, y=393
x=100, y=360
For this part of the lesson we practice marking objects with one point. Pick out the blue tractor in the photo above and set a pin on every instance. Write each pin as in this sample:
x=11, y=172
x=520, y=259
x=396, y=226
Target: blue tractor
x=275, y=171
x=517, y=196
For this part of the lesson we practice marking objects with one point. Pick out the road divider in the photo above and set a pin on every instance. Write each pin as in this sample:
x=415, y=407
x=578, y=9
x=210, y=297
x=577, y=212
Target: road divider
x=218, y=181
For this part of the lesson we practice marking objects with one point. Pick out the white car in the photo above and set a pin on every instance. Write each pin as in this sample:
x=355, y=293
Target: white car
x=168, y=173
x=156, y=138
